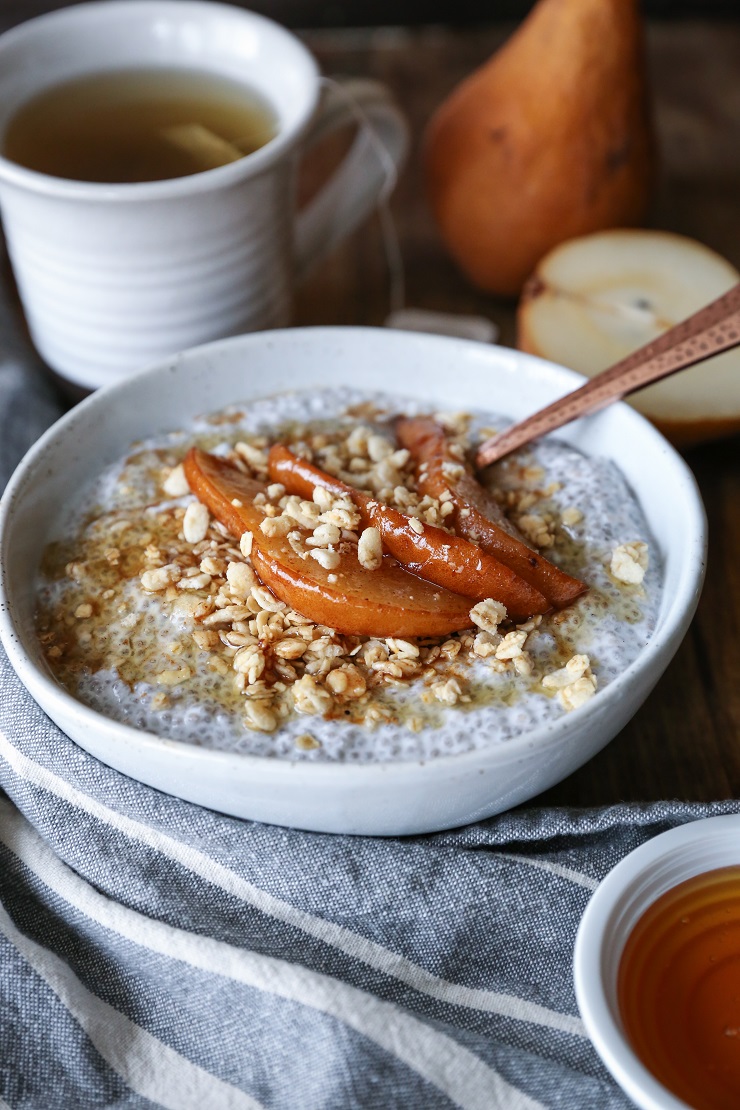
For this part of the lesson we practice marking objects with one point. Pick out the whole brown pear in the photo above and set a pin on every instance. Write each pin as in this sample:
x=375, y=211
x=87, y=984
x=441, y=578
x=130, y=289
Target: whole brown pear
x=550, y=139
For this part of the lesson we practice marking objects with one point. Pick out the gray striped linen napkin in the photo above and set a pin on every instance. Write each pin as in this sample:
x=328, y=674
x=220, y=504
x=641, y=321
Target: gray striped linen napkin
x=156, y=954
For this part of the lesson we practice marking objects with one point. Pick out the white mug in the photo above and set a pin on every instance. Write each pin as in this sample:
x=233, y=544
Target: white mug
x=113, y=277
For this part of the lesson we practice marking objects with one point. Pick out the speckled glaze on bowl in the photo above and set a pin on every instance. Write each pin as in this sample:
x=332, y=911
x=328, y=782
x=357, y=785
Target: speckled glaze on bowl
x=375, y=799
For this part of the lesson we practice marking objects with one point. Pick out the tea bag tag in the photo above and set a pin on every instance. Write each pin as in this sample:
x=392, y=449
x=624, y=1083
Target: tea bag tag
x=444, y=323
x=391, y=247
x=400, y=316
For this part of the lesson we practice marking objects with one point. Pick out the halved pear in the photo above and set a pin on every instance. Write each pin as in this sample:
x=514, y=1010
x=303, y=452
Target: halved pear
x=595, y=299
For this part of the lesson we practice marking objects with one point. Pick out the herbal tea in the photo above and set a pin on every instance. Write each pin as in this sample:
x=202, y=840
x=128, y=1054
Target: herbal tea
x=139, y=125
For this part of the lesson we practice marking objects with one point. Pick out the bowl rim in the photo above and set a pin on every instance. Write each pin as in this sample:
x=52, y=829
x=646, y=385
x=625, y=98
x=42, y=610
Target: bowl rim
x=674, y=621
x=597, y=1012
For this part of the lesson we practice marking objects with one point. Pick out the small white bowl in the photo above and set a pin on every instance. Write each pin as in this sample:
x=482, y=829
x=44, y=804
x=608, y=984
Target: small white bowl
x=611, y=915
x=369, y=798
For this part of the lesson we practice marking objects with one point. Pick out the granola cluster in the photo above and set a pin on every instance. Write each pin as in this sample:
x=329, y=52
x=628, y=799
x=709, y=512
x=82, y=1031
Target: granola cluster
x=629, y=562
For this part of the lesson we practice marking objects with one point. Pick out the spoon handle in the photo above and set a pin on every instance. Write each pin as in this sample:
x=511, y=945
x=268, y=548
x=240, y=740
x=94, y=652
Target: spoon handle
x=711, y=330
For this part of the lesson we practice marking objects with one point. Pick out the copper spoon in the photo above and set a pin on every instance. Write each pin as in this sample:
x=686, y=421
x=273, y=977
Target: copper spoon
x=711, y=330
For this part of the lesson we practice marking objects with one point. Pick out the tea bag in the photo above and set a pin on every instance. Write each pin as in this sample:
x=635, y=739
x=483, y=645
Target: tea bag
x=207, y=149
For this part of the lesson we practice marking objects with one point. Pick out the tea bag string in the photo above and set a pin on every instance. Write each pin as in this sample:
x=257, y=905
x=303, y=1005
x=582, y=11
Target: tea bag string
x=388, y=230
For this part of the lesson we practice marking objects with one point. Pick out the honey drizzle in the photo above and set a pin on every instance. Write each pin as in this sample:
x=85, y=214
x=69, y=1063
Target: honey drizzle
x=679, y=989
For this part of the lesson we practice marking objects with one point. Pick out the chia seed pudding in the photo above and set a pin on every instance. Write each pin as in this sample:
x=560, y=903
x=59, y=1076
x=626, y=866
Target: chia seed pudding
x=150, y=612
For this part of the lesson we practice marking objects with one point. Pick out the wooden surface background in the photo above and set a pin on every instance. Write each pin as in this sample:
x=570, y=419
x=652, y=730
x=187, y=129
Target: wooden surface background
x=685, y=741
x=373, y=13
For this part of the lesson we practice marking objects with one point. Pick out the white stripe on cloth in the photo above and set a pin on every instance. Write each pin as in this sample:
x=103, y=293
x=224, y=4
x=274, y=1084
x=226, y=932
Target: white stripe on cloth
x=147, y=1065
x=568, y=873
x=456, y=1071
x=337, y=936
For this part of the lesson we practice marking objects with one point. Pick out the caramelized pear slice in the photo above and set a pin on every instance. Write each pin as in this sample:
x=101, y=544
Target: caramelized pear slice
x=384, y=602
x=449, y=561
x=476, y=513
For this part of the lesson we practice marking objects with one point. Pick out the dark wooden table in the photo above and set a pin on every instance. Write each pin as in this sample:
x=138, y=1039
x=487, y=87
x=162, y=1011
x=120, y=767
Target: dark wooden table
x=685, y=741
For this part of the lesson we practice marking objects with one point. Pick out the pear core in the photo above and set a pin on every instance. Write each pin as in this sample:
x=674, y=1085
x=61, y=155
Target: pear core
x=594, y=300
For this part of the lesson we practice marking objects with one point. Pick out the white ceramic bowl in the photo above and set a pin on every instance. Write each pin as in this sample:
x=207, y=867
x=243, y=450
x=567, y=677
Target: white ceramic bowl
x=611, y=915
x=384, y=798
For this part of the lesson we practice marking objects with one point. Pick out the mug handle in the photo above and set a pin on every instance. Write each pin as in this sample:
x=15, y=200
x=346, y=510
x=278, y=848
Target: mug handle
x=357, y=185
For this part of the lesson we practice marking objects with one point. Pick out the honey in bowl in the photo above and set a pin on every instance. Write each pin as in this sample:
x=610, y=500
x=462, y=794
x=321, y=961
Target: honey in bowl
x=133, y=125
x=679, y=989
